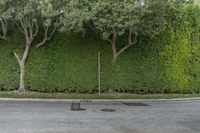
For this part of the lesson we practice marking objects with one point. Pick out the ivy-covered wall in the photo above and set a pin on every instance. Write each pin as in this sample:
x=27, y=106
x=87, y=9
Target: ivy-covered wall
x=169, y=63
x=181, y=50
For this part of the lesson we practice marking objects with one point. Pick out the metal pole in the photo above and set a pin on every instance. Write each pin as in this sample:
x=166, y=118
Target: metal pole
x=99, y=72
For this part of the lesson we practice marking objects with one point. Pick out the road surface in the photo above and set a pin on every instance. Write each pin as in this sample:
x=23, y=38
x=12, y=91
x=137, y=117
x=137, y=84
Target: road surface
x=56, y=117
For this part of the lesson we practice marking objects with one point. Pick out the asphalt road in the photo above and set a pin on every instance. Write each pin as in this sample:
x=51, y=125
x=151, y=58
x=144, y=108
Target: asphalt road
x=51, y=117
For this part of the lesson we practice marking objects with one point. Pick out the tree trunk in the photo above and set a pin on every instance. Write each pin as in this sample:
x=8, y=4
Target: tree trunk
x=113, y=43
x=114, y=58
x=22, y=63
x=114, y=52
x=22, y=73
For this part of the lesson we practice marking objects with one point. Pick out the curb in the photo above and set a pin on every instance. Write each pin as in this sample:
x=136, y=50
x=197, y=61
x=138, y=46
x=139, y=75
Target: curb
x=98, y=100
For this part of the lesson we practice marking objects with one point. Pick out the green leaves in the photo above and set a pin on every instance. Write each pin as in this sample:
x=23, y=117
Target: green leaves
x=24, y=8
x=121, y=14
x=76, y=13
x=49, y=11
x=113, y=19
x=5, y=15
x=5, y=10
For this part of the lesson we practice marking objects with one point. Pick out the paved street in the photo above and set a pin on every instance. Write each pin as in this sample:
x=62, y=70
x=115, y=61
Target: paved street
x=56, y=117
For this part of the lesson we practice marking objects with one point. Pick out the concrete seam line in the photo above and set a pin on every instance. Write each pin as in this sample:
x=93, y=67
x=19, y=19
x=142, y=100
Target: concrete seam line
x=97, y=100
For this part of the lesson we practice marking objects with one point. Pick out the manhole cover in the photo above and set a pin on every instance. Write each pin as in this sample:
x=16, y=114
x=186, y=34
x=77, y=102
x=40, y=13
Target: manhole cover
x=80, y=109
x=135, y=104
x=108, y=110
x=104, y=110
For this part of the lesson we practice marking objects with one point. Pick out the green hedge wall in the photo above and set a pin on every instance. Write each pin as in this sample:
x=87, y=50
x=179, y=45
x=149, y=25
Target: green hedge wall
x=169, y=63
x=69, y=64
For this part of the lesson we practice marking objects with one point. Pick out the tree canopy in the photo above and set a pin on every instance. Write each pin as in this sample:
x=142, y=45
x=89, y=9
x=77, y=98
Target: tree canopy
x=5, y=15
x=112, y=19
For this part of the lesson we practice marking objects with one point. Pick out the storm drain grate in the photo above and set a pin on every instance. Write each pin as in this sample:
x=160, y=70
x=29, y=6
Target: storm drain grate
x=135, y=104
x=108, y=110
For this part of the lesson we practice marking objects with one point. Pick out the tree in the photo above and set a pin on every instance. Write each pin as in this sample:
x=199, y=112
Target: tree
x=27, y=14
x=127, y=18
x=25, y=17
x=5, y=15
x=109, y=19
x=113, y=19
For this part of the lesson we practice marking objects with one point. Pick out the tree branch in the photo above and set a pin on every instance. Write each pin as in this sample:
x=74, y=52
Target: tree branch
x=93, y=29
x=130, y=43
x=26, y=51
x=19, y=26
x=17, y=57
x=3, y=37
x=123, y=49
x=54, y=30
x=109, y=40
x=4, y=29
x=46, y=37
x=36, y=27
x=130, y=38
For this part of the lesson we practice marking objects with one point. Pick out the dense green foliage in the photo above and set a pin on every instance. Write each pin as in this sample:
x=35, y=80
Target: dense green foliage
x=182, y=49
x=111, y=20
x=167, y=63
x=66, y=66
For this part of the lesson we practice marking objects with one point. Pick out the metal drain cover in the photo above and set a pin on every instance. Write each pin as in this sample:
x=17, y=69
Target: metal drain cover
x=76, y=107
x=80, y=109
x=135, y=104
x=108, y=110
